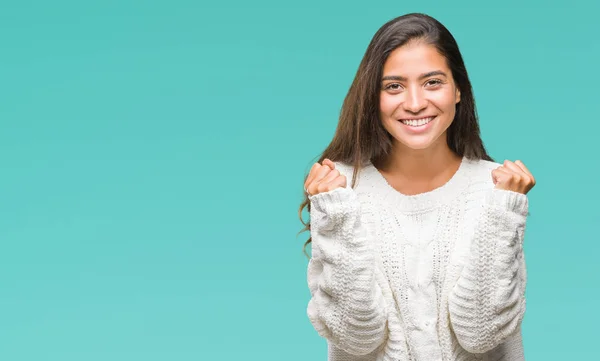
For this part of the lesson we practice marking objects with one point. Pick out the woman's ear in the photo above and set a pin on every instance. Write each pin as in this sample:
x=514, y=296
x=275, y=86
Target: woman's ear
x=457, y=92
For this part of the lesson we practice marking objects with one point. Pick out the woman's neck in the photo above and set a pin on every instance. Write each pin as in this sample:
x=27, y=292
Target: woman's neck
x=417, y=171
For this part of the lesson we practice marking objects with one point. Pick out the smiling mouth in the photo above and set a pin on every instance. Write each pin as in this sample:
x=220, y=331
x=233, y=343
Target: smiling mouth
x=416, y=122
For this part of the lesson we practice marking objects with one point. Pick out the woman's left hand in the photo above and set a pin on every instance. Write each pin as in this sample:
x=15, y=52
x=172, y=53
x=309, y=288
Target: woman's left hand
x=513, y=177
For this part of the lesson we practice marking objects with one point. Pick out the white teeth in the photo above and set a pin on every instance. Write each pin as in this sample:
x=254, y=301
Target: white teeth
x=417, y=122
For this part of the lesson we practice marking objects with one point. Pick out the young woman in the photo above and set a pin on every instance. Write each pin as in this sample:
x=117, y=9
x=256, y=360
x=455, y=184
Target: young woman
x=417, y=234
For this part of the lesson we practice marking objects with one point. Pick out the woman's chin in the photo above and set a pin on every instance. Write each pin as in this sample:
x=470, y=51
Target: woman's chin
x=414, y=144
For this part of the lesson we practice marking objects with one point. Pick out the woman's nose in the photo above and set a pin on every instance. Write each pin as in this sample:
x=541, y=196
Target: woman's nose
x=415, y=101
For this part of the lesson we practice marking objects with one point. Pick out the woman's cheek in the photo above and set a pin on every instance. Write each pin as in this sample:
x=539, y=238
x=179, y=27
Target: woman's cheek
x=388, y=103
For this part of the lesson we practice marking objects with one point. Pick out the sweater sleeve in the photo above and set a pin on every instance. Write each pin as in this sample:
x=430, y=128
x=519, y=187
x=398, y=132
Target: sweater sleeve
x=347, y=306
x=487, y=304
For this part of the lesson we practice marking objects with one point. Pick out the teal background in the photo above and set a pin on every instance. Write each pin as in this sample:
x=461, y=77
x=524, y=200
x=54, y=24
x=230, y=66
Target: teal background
x=152, y=158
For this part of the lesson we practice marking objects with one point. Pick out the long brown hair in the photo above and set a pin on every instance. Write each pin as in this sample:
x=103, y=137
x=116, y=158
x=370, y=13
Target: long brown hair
x=360, y=135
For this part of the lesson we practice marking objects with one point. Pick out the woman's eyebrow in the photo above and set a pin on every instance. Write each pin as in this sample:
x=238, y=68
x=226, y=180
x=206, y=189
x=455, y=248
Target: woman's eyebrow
x=422, y=76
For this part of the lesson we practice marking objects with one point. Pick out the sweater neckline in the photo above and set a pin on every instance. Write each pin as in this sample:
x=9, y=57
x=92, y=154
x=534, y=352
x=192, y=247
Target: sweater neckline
x=421, y=201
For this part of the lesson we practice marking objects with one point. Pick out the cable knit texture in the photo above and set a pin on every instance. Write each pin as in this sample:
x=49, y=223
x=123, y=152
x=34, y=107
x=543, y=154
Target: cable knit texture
x=434, y=276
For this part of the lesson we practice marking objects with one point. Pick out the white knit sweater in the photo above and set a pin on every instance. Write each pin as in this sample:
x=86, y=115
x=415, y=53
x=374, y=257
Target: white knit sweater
x=435, y=276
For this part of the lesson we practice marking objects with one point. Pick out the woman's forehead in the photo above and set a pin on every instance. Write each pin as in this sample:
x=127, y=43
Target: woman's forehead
x=414, y=61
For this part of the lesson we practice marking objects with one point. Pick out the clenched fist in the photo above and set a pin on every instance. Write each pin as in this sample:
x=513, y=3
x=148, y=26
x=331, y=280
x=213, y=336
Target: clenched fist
x=323, y=178
x=513, y=177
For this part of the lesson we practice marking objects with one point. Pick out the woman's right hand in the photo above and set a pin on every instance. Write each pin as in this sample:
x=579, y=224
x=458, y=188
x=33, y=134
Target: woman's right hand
x=323, y=178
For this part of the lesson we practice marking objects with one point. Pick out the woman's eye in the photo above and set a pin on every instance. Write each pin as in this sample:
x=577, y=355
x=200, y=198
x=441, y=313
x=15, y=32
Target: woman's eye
x=434, y=82
x=393, y=86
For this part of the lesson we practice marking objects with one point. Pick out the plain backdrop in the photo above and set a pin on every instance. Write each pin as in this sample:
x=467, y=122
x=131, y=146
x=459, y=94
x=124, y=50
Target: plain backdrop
x=152, y=155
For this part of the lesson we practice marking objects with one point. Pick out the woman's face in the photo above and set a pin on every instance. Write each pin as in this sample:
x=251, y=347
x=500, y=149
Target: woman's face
x=418, y=96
